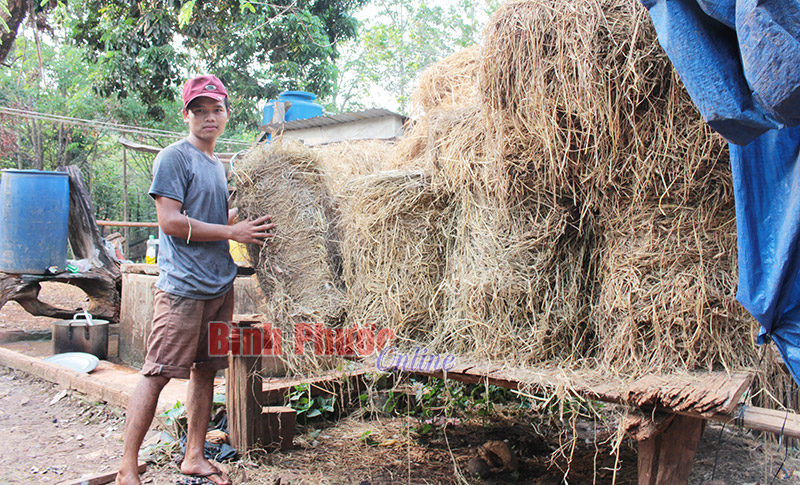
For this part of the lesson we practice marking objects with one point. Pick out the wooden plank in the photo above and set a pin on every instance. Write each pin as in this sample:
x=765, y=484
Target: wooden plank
x=275, y=389
x=126, y=224
x=713, y=396
x=139, y=268
x=786, y=423
x=279, y=424
x=100, y=479
x=667, y=458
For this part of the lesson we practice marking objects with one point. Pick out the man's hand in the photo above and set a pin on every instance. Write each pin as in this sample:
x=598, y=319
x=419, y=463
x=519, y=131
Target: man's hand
x=249, y=231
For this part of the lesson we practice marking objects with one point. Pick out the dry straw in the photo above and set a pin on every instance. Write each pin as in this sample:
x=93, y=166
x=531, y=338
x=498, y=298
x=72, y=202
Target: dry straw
x=393, y=251
x=349, y=159
x=582, y=94
x=577, y=213
x=448, y=84
x=298, y=269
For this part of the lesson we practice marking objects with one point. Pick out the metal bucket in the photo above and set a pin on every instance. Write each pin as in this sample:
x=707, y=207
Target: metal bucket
x=81, y=334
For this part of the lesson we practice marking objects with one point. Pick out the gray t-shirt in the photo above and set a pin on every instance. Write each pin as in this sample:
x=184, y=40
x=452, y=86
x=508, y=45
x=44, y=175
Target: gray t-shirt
x=198, y=270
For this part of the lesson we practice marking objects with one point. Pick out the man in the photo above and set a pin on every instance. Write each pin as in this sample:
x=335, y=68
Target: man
x=195, y=286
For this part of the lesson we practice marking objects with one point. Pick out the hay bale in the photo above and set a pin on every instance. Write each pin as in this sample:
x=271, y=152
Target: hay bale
x=581, y=93
x=393, y=250
x=514, y=282
x=350, y=159
x=299, y=269
x=667, y=295
x=451, y=145
x=449, y=83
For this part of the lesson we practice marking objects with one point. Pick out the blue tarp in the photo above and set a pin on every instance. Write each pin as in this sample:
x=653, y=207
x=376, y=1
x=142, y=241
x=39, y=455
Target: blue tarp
x=740, y=63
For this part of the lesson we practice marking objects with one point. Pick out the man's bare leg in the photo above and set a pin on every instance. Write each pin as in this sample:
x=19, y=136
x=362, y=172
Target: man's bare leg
x=141, y=409
x=198, y=411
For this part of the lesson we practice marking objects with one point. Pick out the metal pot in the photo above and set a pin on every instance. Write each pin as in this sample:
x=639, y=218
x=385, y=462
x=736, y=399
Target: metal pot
x=81, y=334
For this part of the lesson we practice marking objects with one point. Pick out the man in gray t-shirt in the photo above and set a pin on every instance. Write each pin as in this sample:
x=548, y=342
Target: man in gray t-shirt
x=199, y=270
x=195, y=286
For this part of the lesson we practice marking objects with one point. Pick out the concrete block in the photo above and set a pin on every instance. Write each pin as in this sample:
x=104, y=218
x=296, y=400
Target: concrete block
x=136, y=311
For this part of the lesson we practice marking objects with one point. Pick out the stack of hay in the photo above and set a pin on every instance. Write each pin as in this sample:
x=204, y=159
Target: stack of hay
x=560, y=201
x=592, y=217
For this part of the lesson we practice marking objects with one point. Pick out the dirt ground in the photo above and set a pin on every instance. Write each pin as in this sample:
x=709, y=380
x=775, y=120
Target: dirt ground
x=52, y=436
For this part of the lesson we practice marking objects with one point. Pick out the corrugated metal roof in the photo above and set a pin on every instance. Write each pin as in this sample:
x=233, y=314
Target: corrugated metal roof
x=319, y=121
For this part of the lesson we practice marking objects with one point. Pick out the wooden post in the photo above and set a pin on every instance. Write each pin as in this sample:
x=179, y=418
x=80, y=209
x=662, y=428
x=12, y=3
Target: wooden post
x=249, y=422
x=126, y=231
x=667, y=458
x=244, y=398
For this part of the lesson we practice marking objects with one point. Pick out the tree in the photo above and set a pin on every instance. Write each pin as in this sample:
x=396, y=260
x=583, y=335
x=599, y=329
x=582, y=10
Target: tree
x=258, y=49
x=62, y=85
x=400, y=39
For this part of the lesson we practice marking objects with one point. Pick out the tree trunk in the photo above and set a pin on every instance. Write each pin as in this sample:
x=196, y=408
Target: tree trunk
x=36, y=141
x=17, y=10
x=61, y=147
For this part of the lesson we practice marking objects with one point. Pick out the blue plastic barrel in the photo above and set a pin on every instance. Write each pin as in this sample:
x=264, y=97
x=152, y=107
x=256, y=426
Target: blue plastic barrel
x=34, y=217
x=303, y=106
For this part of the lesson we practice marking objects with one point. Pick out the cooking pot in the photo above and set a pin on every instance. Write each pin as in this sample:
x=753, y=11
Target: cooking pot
x=81, y=334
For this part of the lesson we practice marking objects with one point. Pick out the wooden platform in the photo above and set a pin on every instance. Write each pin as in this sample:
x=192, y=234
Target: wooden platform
x=699, y=395
x=672, y=409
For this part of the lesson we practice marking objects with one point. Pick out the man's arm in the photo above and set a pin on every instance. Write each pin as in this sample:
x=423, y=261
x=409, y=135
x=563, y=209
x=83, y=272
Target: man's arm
x=173, y=223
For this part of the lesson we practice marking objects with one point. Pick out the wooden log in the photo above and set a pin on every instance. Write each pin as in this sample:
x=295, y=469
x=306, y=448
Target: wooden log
x=667, y=458
x=101, y=478
x=104, y=297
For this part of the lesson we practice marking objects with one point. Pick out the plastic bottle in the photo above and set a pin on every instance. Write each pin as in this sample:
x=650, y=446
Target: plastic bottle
x=152, y=250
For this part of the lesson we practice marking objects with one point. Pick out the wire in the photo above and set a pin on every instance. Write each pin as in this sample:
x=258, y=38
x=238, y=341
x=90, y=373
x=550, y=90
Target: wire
x=105, y=125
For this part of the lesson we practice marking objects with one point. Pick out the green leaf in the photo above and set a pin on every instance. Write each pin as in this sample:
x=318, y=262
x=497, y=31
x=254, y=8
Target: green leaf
x=185, y=14
x=245, y=5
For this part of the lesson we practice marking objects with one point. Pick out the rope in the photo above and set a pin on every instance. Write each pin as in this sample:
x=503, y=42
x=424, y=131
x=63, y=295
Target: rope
x=105, y=125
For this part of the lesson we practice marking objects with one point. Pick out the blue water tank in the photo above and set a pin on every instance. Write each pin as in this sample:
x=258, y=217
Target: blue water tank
x=34, y=218
x=303, y=106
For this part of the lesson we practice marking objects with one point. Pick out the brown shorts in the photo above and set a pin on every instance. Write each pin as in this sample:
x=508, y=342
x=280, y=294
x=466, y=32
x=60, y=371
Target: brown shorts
x=178, y=341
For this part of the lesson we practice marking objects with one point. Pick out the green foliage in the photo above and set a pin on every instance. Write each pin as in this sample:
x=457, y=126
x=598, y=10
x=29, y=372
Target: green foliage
x=63, y=85
x=399, y=40
x=435, y=402
x=367, y=439
x=258, y=49
x=175, y=418
x=308, y=407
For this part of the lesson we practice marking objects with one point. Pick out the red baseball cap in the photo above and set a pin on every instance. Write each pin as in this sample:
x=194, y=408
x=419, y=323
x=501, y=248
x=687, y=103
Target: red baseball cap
x=208, y=86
